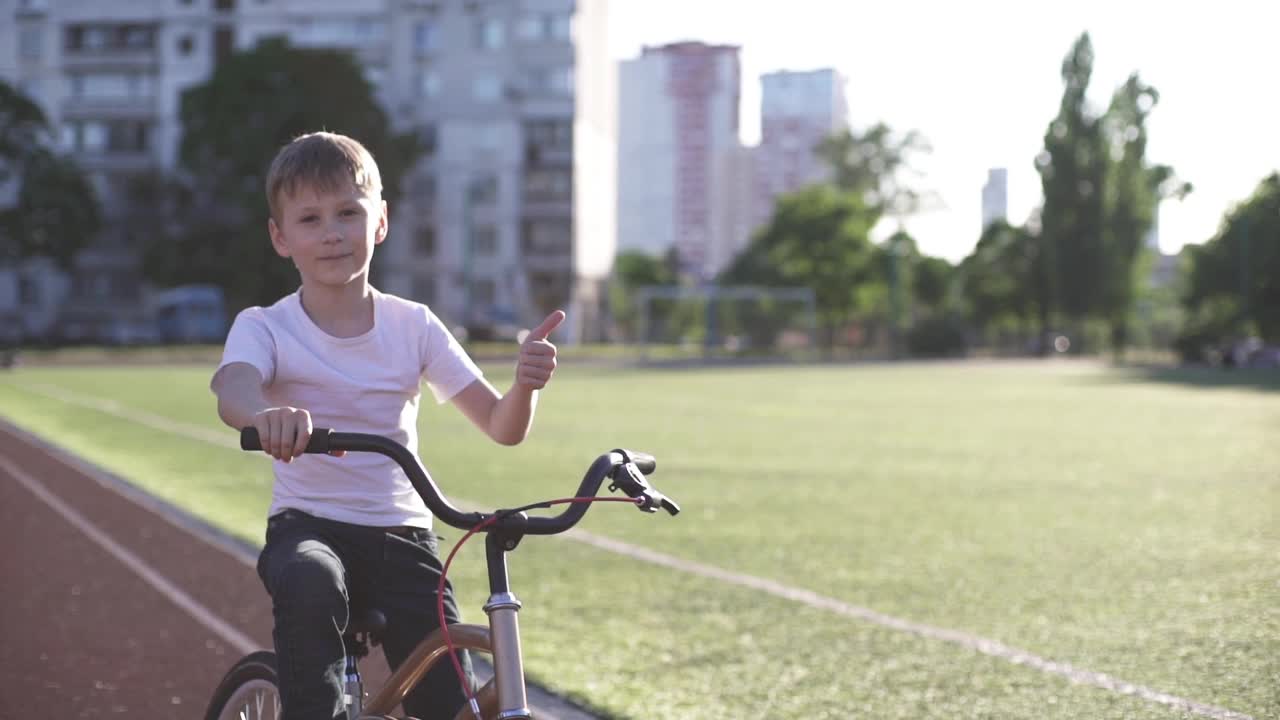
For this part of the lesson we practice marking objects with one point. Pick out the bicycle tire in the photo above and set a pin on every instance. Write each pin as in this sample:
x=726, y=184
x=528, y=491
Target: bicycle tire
x=251, y=685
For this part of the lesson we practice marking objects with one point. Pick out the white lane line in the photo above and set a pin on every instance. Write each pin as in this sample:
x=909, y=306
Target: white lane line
x=986, y=646
x=150, y=575
x=972, y=642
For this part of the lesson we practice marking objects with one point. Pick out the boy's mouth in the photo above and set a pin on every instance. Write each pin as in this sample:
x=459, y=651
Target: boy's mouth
x=335, y=257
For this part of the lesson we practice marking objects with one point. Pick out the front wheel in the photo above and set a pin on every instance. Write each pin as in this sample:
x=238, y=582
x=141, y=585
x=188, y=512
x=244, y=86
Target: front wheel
x=249, y=691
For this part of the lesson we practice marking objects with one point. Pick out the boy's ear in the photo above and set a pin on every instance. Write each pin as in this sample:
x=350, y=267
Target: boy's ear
x=277, y=238
x=382, y=225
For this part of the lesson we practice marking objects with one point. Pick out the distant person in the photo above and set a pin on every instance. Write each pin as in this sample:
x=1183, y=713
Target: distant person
x=339, y=353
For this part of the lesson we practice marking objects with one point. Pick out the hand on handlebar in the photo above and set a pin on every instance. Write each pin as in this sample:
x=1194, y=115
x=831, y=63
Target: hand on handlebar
x=285, y=432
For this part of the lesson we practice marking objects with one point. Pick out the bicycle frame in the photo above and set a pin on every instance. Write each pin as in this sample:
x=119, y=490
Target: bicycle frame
x=506, y=693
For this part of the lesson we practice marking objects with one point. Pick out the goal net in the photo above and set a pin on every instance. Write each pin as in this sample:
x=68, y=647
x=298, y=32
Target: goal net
x=713, y=321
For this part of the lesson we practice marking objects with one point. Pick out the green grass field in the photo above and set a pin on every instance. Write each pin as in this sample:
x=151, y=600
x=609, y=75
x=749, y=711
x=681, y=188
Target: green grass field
x=1124, y=522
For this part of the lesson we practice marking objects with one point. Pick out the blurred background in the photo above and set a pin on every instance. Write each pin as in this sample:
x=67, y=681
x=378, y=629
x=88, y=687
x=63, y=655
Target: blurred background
x=714, y=178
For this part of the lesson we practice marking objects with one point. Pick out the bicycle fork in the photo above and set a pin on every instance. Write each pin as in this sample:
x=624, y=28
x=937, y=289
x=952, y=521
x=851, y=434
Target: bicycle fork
x=503, y=609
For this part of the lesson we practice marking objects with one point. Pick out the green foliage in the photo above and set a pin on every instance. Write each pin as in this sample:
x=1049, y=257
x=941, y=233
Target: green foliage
x=256, y=102
x=871, y=164
x=1073, y=171
x=633, y=270
x=932, y=282
x=1234, y=283
x=23, y=129
x=56, y=211
x=1133, y=192
x=817, y=238
x=1000, y=275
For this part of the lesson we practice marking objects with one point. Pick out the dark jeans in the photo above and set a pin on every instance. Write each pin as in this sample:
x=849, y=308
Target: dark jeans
x=315, y=570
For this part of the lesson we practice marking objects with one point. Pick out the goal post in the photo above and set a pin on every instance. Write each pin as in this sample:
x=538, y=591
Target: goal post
x=725, y=321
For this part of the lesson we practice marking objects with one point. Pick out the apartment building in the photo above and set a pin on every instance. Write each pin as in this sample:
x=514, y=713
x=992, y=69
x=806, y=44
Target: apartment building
x=678, y=148
x=798, y=110
x=510, y=214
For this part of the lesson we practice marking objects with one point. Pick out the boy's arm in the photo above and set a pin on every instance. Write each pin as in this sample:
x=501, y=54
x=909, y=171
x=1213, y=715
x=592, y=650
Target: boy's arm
x=507, y=418
x=284, y=431
x=240, y=397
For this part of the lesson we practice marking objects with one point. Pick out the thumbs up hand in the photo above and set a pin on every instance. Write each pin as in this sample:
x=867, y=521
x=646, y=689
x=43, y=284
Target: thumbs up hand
x=537, y=355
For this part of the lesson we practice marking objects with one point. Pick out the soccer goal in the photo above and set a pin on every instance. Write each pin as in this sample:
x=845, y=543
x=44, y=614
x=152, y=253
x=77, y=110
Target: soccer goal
x=733, y=321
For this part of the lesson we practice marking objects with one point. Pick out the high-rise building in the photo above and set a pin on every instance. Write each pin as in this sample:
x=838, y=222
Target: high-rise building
x=798, y=110
x=995, y=197
x=510, y=215
x=677, y=149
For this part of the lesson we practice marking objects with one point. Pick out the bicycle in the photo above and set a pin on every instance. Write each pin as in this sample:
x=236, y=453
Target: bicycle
x=249, y=689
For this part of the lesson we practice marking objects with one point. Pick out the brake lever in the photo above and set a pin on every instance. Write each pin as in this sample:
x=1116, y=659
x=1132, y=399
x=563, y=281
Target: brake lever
x=632, y=481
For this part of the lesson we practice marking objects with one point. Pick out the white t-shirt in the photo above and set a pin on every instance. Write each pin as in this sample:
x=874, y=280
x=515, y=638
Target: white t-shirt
x=367, y=384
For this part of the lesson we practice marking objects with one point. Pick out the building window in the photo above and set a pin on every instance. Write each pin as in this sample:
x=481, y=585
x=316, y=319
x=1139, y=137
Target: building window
x=548, y=185
x=483, y=190
x=486, y=87
x=484, y=241
x=490, y=34
x=483, y=291
x=424, y=289
x=112, y=86
x=547, y=237
x=555, y=81
x=28, y=291
x=426, y=37
x=545, y=26
x=186, y=44
x=429, y=137
x=425, y=241
x=422, y=190
x=430, y=85
x=224, y=5
x=95, y=136
x=31, y=42
x=548, y=135
x=137, y=37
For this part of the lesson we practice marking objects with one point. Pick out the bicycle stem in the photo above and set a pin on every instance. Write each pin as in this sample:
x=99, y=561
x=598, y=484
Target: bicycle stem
x=503, y=608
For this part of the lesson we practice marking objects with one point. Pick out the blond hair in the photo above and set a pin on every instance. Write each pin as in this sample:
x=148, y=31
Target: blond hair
x=325, y=162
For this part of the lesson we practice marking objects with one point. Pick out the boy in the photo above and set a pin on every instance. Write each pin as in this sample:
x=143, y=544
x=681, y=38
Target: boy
x=338, y=353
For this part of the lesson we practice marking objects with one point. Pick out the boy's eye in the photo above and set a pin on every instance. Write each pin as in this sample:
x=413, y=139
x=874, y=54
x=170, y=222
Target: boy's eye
x=350, y=211
x=307, y=218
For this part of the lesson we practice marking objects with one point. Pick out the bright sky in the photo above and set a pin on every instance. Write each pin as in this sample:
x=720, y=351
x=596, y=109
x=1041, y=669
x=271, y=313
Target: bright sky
x=981, y=80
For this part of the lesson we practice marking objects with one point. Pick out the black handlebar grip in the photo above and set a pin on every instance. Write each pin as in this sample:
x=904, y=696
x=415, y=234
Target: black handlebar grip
x=319, y=442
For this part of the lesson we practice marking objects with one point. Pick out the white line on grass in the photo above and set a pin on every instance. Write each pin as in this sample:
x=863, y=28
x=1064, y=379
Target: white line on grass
x=193, y=607
x=976, y=643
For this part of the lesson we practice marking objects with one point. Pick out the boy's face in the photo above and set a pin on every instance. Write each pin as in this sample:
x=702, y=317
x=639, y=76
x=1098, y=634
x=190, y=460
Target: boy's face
x=329, y=235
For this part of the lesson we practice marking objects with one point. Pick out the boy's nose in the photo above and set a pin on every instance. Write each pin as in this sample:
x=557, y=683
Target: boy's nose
x=333, y=233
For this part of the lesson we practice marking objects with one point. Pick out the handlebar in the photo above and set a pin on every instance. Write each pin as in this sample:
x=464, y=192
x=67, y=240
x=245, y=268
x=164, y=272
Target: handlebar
x=626, y=469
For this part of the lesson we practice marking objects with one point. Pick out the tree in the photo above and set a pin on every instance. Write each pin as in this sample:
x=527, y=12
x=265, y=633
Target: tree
x=56, y=211
x=1234, y=282
x=818, y=238
x=256, y=102
x=1001, y=276
x=870, y=164
x=1133, y=191
x=1072, y=170
x=633, y=270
